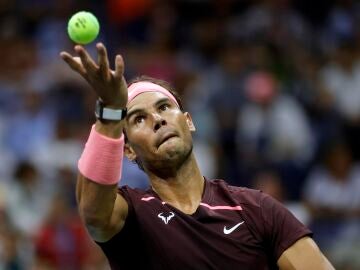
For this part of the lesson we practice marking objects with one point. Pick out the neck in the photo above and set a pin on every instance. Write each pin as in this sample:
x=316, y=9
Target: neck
x=183, y=189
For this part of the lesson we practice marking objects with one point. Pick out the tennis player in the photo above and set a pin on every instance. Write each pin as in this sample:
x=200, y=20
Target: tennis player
x=184, y=220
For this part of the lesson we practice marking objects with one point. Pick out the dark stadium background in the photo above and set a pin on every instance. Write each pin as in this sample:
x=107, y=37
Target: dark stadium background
x=273, y=88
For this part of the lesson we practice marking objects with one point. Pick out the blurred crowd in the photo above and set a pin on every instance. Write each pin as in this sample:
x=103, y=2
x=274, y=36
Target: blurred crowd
x=273, y=87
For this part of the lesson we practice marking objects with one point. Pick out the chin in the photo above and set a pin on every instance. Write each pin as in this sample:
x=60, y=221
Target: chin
x=175, y=154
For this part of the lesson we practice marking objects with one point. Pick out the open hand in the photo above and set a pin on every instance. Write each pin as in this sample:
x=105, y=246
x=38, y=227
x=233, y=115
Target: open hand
x=110, y=85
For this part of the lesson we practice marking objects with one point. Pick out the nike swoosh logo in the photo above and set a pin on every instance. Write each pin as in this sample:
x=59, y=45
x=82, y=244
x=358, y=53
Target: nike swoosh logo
x=230, y=230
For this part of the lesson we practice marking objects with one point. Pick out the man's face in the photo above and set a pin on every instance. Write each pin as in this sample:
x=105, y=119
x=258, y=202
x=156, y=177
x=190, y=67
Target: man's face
x=158, y=132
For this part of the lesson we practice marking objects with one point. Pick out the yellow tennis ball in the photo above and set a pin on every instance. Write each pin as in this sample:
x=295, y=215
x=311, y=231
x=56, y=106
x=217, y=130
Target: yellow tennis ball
x=83, y=27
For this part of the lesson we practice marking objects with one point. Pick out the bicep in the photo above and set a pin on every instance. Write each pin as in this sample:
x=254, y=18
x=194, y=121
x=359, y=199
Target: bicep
x=119, y=214
x=115, y=224
x=304, y=254
x=102, y=209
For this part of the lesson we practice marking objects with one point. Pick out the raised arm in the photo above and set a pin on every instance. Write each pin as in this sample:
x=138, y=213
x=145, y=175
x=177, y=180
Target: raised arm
x=304, y=254
x=102, y=209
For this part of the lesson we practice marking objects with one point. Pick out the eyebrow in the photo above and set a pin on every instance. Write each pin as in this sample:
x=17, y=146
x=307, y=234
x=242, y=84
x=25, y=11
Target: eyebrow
x=136, y=111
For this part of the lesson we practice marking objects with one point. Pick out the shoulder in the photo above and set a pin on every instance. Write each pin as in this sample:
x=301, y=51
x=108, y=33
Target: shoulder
x=134, y=194
x=242, y=195
x=139, y=201
x=251, y=200
x=131, y=190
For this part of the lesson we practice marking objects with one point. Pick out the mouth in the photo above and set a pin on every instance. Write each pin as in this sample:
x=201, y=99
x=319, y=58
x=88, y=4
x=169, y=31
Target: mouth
x=165, y=137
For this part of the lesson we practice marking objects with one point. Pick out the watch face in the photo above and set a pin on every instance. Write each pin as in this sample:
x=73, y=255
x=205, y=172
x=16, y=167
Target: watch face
x=103, y=113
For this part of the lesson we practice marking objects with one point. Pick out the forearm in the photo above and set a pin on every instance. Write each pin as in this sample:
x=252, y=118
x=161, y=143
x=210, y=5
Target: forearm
x=95, y=201
x=304, y=255
x=97, y=198
x=88, y=191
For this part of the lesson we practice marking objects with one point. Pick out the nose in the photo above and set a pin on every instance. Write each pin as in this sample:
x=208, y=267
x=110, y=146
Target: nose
x=158, y=121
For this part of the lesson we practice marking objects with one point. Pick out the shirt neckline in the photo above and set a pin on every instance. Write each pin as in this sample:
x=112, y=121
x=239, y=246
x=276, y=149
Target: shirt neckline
x=206, y=196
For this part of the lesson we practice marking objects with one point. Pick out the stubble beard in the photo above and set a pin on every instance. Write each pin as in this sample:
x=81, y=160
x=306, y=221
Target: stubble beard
x=170, y=163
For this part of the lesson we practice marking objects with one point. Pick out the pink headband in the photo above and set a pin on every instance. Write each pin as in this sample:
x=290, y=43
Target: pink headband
x=138, y=88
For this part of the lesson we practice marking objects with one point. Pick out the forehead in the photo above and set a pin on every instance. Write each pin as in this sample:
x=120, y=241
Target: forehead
x=145, y=99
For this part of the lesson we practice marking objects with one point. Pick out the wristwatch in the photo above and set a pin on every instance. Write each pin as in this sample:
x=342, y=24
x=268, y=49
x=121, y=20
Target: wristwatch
x=103, y=113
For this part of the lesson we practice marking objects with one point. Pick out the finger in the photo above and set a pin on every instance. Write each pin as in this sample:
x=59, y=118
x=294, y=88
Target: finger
x=77, y=59
x=88, y=63
x=103, y=61
x=119, y=67
x=73, y=62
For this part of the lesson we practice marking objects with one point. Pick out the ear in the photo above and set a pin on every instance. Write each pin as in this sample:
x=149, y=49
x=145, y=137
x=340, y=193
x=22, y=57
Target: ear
x=129, y=152
x=189, y=121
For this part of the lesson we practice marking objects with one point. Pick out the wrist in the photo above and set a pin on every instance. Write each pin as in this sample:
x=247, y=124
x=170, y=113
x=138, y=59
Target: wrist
x=108, y=112
x=101, y=160
x=111, y=129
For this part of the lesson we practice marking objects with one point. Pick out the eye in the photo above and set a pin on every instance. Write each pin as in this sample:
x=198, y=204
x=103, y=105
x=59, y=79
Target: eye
x=138, y=119
x=164, y=106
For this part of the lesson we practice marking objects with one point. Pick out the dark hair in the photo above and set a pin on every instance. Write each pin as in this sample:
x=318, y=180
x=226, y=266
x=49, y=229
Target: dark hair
x=167, y=86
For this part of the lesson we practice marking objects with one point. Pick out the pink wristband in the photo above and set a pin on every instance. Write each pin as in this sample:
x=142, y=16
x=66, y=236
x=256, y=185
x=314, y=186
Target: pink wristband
x=101, y=160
